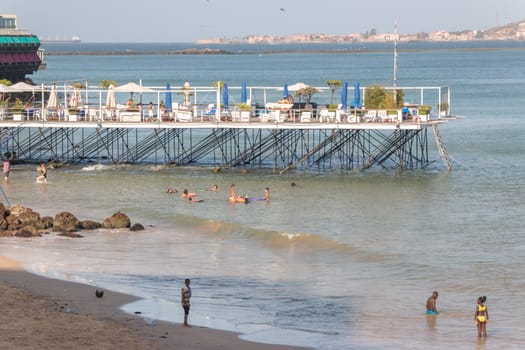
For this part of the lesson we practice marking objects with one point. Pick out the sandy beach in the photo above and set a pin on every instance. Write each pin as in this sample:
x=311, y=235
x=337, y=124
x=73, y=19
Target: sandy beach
x=43, y=313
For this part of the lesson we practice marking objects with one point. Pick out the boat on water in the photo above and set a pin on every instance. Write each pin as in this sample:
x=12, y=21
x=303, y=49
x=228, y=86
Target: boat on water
x=74, y=40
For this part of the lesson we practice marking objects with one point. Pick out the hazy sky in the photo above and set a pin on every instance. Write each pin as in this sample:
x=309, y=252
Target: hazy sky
x=190, y=20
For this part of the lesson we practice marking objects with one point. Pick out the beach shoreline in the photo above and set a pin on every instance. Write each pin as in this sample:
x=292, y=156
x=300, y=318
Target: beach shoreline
x=46, y=313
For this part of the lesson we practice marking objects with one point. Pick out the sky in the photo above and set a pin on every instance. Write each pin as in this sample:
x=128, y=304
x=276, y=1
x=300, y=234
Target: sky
x=190, y=20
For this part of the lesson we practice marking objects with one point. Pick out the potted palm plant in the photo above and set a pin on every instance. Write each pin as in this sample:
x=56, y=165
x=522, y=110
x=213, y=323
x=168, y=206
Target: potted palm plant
x=17, y=110
x=423, y=112
x=307, y=92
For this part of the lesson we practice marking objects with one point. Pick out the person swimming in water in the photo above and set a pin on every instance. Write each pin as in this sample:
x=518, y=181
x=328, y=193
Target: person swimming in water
x=432, y=304
x=481, y=316
x=171, y=191
x=185, y=194
x=214, y=188
x=234, y=197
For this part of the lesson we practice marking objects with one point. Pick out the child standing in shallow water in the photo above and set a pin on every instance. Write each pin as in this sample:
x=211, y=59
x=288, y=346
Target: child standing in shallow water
x=7, y=168
x=43, y=173
x=481, y=317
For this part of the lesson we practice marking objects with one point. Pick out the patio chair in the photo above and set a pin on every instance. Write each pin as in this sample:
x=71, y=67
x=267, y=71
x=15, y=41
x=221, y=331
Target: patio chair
x=370, y=116
x=306, y=116
x=382, y=115
x=184, y=116
x=274, y=116
x=245, y=116
x=339, y=115
x=236, y=116
x=353, y=118
x=326, y=115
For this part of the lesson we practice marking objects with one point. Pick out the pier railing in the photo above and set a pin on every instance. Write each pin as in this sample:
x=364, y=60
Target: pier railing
x=209, y=104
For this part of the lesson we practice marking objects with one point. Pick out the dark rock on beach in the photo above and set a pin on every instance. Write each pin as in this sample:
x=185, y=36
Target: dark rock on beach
x=20, y=216
x=20, y=221
x=70, y=235
x=45, y=223
x=90, y=225
x=137, y=227
x=65, y=222
x=27, y=231
x=117, y=220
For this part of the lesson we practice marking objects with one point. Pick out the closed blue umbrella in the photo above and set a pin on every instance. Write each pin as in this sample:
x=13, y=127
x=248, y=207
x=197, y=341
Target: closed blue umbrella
x=168, y=97
x=244, y=93
x=225, y=95
x=357, y=95
x=344, y=95
x=285, y=91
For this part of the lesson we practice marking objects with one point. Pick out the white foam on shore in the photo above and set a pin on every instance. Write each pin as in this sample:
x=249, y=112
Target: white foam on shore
x=261, y=333
x=96, y=167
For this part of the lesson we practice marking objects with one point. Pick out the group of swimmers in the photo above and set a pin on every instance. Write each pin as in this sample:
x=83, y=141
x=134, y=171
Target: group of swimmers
x=238, y=198
x=215, y=188
x=481, y=315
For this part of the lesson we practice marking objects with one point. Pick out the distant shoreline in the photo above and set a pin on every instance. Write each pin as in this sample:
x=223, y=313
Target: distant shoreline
x=267, y=52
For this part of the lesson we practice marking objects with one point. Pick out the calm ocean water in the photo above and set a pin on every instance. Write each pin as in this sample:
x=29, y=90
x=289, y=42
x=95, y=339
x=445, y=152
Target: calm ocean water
x=336, y=262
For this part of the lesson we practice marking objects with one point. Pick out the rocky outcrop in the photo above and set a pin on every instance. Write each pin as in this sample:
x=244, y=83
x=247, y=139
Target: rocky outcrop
x=20, y=221
x=65, y=222
x=117, y=220
x=20, y=216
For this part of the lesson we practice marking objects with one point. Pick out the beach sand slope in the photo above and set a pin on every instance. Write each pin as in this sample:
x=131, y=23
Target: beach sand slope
x=43, y=313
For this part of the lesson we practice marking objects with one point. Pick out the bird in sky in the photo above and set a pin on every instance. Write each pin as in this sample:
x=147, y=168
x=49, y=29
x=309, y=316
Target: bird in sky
x=282, y=9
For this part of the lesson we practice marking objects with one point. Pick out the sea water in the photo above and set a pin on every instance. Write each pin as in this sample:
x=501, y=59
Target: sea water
x=335, y=262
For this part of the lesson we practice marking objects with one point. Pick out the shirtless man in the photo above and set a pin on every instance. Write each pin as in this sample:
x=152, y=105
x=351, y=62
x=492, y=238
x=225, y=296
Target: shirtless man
x=431, y=304
x=266, y=194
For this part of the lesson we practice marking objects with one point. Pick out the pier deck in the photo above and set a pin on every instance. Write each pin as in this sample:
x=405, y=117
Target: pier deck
x=342, y=142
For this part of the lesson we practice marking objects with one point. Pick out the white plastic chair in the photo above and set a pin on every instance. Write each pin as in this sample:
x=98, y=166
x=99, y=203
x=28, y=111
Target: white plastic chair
x=370, y=115
x=306, y=116
x=382, y=115
x=184, y=116
x=324, y=115
x=245, y=116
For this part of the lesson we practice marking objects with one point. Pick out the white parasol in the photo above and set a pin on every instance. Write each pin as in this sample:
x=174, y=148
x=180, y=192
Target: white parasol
x=110, y=98
x=52, y=102
x=297, y=86
x=22, y=86
x=132, y=87
x=75, y=99
x=5, y=88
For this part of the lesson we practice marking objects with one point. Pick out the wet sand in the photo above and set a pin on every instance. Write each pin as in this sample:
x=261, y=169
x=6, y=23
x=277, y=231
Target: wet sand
x=43, y=313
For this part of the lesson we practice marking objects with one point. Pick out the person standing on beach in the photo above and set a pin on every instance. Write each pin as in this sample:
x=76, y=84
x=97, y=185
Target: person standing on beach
x=432, y=304
x=185, y=300
x=7, y=167
x=481, y=316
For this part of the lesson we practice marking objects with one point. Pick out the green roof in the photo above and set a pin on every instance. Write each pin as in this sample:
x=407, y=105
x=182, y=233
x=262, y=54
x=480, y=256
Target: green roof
x=19, y=40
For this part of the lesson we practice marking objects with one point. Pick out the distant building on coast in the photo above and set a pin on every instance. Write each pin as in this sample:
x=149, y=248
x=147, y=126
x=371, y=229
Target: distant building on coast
x=511, y=31
x=18, y=50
